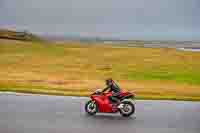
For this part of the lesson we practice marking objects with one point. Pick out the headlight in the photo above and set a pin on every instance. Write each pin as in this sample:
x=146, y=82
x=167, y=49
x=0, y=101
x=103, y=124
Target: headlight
x=98, y=90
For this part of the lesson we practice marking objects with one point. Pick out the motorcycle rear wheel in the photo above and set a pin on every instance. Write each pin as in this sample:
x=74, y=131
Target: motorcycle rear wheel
x=128, y=109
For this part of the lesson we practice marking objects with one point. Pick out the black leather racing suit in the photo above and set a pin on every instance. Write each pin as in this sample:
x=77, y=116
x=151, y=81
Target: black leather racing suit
x=116, y=92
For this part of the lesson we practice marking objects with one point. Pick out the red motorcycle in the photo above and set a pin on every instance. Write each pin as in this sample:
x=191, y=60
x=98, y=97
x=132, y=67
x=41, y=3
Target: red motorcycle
x=100, y=103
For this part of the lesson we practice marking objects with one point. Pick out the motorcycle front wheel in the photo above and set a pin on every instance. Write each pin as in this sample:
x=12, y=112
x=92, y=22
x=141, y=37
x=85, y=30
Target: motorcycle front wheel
x=91, y=107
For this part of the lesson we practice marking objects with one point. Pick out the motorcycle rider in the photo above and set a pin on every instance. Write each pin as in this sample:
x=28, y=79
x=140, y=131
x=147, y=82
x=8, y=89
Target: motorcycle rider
x=112, y=87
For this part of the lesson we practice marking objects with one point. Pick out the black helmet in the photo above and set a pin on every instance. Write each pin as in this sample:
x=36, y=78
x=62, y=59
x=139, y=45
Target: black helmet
x=109, y=81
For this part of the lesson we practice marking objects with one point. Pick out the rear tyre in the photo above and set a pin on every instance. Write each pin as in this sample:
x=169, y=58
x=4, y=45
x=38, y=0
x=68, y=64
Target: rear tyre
x=91, y=108
x=128, y=109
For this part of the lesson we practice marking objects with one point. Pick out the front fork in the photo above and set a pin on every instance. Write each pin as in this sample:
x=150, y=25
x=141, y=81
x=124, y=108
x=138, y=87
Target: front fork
x=92, y=104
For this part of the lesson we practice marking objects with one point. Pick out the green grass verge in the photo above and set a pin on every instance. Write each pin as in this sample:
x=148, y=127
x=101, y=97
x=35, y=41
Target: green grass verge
x=59, y=92
x=28, y=61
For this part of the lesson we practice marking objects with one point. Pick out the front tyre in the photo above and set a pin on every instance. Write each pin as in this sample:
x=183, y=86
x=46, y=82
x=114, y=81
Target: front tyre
x=91, y=107
x=128, y=109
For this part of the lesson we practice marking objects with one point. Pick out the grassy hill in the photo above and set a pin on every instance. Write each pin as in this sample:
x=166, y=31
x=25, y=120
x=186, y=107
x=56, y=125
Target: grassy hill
x=76, y=69
x=23, y=36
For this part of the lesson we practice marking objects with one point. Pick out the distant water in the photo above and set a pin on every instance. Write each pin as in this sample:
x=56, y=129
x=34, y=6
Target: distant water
x=190, y=49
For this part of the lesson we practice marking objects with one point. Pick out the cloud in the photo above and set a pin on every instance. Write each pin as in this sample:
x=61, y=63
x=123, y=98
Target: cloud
x=127, y=18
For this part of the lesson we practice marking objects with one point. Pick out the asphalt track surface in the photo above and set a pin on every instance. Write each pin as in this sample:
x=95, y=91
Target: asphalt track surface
x=57, y=114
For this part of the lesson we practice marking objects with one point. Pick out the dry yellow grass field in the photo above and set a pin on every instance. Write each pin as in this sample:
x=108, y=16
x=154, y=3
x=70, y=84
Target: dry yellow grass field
x=74, y=68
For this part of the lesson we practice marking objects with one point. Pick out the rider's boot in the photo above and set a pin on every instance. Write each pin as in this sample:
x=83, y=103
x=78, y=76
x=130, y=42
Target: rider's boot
x=120, y=105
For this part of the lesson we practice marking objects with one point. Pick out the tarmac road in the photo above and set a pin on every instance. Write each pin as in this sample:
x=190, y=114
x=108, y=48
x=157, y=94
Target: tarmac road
x=57, y=114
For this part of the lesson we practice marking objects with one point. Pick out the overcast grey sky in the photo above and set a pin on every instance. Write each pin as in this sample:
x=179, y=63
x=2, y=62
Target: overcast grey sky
x=128, y=19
